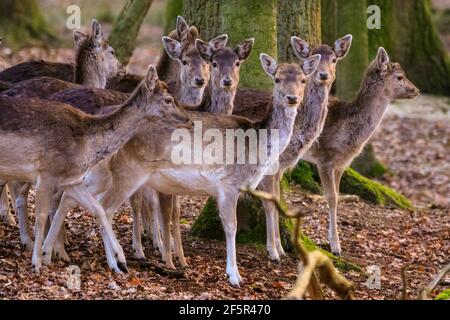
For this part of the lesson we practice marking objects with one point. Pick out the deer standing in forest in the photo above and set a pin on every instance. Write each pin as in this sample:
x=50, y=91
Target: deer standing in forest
x=146, y=159
x=308, y=125
x=54, y=146
x=349, y=125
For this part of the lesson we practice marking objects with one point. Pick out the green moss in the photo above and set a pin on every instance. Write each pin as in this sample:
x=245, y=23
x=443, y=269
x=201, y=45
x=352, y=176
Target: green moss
x=303, y=175
x=371, y=191
x=208, y=224
x=444, y=295
x=352, y=183
x=367, y=163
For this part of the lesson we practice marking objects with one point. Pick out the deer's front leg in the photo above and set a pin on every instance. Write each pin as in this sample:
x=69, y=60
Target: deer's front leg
x=227, y=209
x=327, y=177
x=136, y=207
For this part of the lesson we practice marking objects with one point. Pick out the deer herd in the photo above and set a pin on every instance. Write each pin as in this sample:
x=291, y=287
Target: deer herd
x=91, y=135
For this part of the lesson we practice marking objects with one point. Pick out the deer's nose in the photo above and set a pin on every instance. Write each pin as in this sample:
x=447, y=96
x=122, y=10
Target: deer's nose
x=292, y=99
x=324, y=75
x=199, y=81
x=227, y=82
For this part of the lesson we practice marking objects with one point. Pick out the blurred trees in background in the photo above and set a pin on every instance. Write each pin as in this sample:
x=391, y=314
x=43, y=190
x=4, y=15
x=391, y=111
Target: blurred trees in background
x=22, y=22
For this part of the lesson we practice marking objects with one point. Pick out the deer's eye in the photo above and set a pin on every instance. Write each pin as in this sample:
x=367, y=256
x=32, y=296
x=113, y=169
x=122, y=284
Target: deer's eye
x=184, y=62
x=400, y=78
x=334, y=60
x=214, y=64
x=238, y=63
x=277, y=80
x=303, y=81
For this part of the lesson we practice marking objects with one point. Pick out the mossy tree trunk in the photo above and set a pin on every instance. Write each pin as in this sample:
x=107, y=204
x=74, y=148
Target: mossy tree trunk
x=173, y=9
x=22, y=23
x=126, y=28
x=297, y=18
x=418, y=47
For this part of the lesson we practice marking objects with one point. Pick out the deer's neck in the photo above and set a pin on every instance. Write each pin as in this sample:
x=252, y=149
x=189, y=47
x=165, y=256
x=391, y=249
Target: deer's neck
x=311, y=117
x=222, y=101
x=89, y=72
x=110, y=133
x=280, y=123
x=188, y=96
x=369, y=107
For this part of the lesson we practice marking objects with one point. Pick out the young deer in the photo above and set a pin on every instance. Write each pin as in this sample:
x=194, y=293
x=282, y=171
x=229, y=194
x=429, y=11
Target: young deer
x=349, y=125
x=307, y=128
x=55, y=150
x=95, y=63
x=225, y=62
x=149, y=159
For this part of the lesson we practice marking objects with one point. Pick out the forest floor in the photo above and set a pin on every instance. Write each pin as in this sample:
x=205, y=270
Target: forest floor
x=416, y=150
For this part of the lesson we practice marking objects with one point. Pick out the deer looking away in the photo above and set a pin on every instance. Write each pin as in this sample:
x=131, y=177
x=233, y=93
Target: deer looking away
x=307, y=128
x=349, y=125
x=149, y=159
x=54, y=145
x=96, y=62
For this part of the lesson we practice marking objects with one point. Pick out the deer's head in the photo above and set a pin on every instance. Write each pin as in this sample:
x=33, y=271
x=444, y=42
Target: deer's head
x=289, y=79
x=326, y=71
x=194, y=71
x=225, y=61
x=93, y=50
x=394, y=79
x=153, y=98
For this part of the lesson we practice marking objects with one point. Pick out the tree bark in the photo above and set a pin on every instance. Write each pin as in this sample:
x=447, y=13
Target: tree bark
x=22, y=23
x=126, y=28
x=297, y=18
x=418, y=47
x=351, y=19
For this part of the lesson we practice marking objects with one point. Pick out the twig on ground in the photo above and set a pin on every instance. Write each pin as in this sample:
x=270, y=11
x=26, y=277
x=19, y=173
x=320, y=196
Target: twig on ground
x=425, y=293
x=307, y=280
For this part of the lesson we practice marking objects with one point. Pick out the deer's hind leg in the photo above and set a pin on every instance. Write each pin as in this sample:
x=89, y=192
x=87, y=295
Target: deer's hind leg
x=136, y=207
x=267, y=185
x=178, y=245
x=5, y=211
x=19, y=194
x=327, y=177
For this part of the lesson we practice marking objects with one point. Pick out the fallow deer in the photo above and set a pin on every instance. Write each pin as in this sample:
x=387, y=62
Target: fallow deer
x=96, y=62
x=349, y=125
x=308, y=125
x=148, y=158
x=54, y=146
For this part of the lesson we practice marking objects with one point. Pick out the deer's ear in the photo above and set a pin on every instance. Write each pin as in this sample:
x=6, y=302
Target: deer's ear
x=218, y=43
x=79, y=37
x=182, y=26
x=342, y=46
x=382, y=60
x=310, y=65
x=204, y=50
x=172, y=47
x=244, y=49
x=97, y=33
x=268, y=64
x=151, y=78
x=301, y=48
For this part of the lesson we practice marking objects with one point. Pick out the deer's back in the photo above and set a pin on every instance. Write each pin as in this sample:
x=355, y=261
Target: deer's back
x=38, y=68
x=41, y=88
x=89, y=100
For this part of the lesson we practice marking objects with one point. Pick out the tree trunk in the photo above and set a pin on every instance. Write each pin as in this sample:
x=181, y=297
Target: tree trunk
x=126, y=28
x=297, y=18
x=174, y=8
x=351, y=19
x=22, y=23
x=418, y=47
